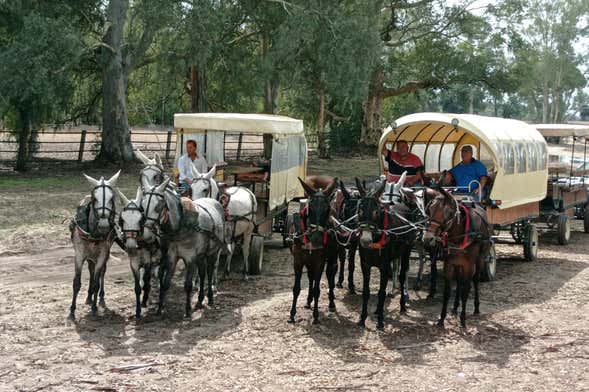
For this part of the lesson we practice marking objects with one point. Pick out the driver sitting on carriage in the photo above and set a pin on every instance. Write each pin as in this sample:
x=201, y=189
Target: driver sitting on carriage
x=470, y=175
x=185, y=169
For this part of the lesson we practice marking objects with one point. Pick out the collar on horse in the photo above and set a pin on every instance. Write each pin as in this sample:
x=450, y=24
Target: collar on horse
x=383, y=237
x=465, y=237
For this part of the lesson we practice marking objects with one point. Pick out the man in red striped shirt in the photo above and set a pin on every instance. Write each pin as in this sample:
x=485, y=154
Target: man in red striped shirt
x=402, y=160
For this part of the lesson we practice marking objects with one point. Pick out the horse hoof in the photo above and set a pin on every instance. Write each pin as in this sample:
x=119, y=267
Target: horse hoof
x=476, y=312
x=463, y=325
x=403, y=311
x=339, y=285
x=88, y=301
x=144, y=304
x=352, y=291
x=94, y=312
x=71, y=317
x=406, y=297
x=137, y=317
x=316, y=321
x=102, y=303
x=332, y=307
x=380, y=326
x=245, y=277
x=361, y=324
x=291, y=320
x=307, y=306
x=454, y=312
x=440, y=324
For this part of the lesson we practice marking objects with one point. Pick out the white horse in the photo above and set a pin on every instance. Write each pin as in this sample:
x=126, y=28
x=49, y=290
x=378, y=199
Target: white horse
x=194, y=234
x=241, y=206
x=144, y=258
x=93, y=238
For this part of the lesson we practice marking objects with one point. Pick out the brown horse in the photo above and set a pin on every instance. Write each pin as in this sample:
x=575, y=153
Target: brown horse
x=465, y=238
x=313, y=247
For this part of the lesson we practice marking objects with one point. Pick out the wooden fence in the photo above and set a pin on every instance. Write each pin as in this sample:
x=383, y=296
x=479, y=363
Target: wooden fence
x=84, y=143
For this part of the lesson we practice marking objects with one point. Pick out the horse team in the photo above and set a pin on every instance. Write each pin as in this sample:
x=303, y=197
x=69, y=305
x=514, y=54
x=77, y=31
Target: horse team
x=381, y=221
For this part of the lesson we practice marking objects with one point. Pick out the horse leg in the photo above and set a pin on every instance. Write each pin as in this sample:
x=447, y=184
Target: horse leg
x=310, y=293
x=167, y=268
x=95, y=279
x=457, y=297
x=341, y=254
x=77, y=284
x=351, y=267
x=137, y=279
x=382, y=293
x=212, y=271
x=433, y=277
x=90, y=275
x=146, y=284
x=101, y=293
x=475, y=280
x=365, y=292
x=317, y=291
x=419, y=277
x=395, y=274
x=331, y=272
x=464, y=291
x=202, y=274
x=447, y=289
x=245, y=249
x=403, y=279
x=190, y=265
x=295, y=291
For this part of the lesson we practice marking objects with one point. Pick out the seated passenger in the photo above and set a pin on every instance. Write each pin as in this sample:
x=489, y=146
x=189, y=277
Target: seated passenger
x=402, y=160
x=184, y=169
x=467, y=171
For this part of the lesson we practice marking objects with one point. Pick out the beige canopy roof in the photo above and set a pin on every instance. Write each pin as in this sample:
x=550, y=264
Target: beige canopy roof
x=575, y=130
x=515, y=151
x=238, y=122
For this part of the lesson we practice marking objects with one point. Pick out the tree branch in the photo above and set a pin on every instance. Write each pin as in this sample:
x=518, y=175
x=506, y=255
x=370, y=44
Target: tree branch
x=408, y=87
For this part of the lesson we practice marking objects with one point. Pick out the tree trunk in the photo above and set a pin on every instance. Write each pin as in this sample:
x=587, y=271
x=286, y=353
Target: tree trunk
x=24, y=141
x=198, y=88
x=321, y=141
x=270, y=107
x=545, y=103
x=116, y=138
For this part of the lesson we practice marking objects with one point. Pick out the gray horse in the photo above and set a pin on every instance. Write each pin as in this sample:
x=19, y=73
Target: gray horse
x=144, y=258
x=192, y=230
x=153, y=169
x=92, y=234
x=241, y=206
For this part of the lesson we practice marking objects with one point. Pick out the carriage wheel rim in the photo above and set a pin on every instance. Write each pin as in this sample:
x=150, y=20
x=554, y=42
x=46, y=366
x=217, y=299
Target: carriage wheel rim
x=567, y=233
x=534, y=242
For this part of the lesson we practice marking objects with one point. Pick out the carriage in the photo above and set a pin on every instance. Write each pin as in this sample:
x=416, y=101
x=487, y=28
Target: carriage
x=514, y=153
x=265, y=153
x=566, y=195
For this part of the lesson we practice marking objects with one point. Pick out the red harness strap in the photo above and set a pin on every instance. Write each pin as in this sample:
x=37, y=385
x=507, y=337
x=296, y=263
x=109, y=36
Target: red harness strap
x=383, y=237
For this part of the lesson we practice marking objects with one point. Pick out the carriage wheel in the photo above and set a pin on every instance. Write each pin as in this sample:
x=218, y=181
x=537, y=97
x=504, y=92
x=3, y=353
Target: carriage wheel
x=490, y=267
x=586, y=218
x=256, y=255
x=564, y=229
x=530, y=242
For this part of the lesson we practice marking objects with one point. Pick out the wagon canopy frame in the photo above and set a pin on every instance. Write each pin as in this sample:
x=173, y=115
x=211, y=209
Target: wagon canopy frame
x=514, y=151
x=289, y=146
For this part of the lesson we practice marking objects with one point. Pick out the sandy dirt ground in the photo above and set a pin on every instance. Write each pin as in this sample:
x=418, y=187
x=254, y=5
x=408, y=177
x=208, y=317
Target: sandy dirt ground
x=533, y=333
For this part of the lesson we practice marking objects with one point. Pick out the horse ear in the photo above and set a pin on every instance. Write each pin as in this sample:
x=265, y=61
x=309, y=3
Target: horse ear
x=345, y=192
x=143, y=158
x=162, y=187
x=139, y=196
x=195, y=171
x=331, y=187
x=92, y=181
x=113, y=180
x=402, y=179
x=122, y=196
x=158, y=160
x=211, y=172
x=446, y=194
x=361, y=189
x=308, y=188
x=378, y=192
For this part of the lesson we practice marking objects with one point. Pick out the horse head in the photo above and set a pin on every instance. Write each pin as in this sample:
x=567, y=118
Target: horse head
x=154, y=208
x=316, y=216
x=132, y=219
x=350, y=204
x=103, y=201
x=370, y=214
x=153, y=171
x=204, y=185
x=441, y=209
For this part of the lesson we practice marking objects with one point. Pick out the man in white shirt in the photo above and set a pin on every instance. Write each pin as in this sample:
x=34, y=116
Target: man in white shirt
x=184, y=169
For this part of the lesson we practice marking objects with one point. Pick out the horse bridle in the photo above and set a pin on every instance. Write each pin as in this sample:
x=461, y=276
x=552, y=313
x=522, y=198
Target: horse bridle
x=104, y=208
x=367, y=224
x=159, y=178
x=148, y=219
x=132, y=233
x=208, y=180
x=447, y=225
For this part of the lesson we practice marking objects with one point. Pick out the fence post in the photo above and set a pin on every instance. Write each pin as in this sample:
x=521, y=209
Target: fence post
x=82, y=143
x=239, y=145
x=168, y=145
